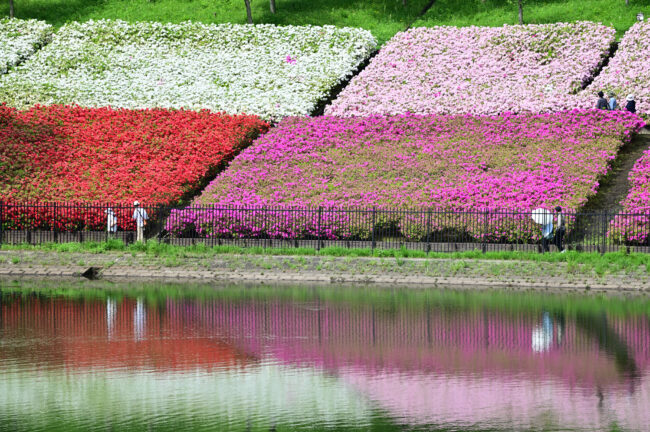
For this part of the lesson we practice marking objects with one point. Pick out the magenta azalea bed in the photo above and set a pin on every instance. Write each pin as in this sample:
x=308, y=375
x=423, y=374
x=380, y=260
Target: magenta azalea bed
x=479, y=70
x=513, y=162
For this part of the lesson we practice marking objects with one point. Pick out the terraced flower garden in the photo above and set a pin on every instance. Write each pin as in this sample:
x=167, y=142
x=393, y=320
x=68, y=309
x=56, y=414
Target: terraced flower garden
x=628, y=72
x=515, y=162
x=479, y=70
x=59, y=153
x=269, y=71
x=431, y=123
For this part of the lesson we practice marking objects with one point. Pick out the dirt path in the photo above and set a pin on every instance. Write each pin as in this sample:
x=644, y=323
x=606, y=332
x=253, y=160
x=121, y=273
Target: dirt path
x=592, y=222
x=614, y=188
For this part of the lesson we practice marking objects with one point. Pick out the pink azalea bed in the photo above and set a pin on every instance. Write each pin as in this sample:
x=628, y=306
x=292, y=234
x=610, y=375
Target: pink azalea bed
x=628, y=72
x=480, y=70
x=446, y=163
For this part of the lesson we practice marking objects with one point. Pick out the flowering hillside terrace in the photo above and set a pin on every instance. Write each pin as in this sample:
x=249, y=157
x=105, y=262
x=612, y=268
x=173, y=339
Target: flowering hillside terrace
x=61, y=153
x=628, y=72
x=479, y=70
x=265, y=70
x=513, y=162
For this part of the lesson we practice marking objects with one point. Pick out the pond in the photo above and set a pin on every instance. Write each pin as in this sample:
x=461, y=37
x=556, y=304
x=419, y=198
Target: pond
x=181, y=357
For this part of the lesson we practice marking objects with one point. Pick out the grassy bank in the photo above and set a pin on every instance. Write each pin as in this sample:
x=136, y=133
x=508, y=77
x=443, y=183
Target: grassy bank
x=499, y=12
x=383, y=18
x=609, y=263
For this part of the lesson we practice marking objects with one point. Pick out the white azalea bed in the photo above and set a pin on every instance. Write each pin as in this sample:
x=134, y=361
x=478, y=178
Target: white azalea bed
x=480, y=70
x=266, y=70
x=628, y=71
x=19, y=39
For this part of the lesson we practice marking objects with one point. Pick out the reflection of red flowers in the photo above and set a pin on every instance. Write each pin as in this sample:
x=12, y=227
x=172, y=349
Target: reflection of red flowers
x=63, y=153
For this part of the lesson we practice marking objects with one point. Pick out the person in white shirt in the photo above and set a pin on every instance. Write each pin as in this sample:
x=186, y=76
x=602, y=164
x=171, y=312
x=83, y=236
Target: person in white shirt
x=111, y=222
x=140, y=216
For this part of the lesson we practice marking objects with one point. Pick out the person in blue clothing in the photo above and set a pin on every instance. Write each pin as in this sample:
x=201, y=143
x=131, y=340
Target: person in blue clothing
x=630, y=105
x=613, y=103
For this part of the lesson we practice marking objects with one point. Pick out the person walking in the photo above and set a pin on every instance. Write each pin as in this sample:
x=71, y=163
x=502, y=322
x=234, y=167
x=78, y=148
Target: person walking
x=111, y=223
x=561, y=230
x=613, y=103
x=547, y=234
x=140, y=217
x=630, y=105
x=602, y=102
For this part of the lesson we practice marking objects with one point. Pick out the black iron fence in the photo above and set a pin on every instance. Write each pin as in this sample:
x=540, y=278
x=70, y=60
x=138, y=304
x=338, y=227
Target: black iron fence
x=423, y=229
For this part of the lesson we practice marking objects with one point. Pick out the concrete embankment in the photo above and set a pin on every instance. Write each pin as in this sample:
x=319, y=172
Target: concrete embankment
x=265, y=269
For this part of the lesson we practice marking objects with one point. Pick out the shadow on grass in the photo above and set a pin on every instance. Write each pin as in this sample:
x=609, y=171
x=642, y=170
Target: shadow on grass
x=56, y=12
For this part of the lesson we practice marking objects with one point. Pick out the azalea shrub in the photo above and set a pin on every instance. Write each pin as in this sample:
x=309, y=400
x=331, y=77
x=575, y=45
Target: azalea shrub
x=19, y=39
x=74, y=154
x=479, y=70
x=443, y=163
x=628, y=72
x=266, y=70
x=635, y=226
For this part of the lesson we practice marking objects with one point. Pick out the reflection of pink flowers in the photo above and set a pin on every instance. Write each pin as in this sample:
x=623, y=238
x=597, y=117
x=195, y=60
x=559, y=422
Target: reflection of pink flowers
x=290, y=60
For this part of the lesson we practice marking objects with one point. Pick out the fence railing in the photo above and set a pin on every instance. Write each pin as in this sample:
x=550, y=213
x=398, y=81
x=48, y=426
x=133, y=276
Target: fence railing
x=423, y=229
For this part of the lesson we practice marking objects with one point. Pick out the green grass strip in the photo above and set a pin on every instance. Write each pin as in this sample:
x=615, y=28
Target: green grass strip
x=495, y=13
x=612, y=262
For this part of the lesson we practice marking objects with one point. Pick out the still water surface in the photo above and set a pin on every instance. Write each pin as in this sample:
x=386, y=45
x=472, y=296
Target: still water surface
x=184, y=358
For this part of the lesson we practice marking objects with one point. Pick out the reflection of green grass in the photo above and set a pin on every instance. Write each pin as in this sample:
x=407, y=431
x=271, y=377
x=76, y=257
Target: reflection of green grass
x=382, y=299
x=56, y=419
x=383, y=18
x=609, y=263
x=498, y=12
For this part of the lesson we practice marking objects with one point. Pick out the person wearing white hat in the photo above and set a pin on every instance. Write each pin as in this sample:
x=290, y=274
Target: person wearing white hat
x=631, y=104
x=140, y=216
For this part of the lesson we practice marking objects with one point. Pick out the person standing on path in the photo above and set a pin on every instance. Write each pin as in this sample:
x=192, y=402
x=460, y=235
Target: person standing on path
x=630, y=105
x=111, y=223
x=602, y=102
x=140, y=216
x=561, y=230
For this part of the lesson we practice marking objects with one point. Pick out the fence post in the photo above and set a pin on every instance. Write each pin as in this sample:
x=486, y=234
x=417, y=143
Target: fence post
x=2, y=205
x=374, y=221
x=56, y=233
x=604, y=232
x=485, y=230
x=320, y=219
x=428, y=230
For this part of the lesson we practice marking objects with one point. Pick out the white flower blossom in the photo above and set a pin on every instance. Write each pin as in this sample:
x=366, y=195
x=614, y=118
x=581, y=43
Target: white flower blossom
x=19, y=39
x=267, y=70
